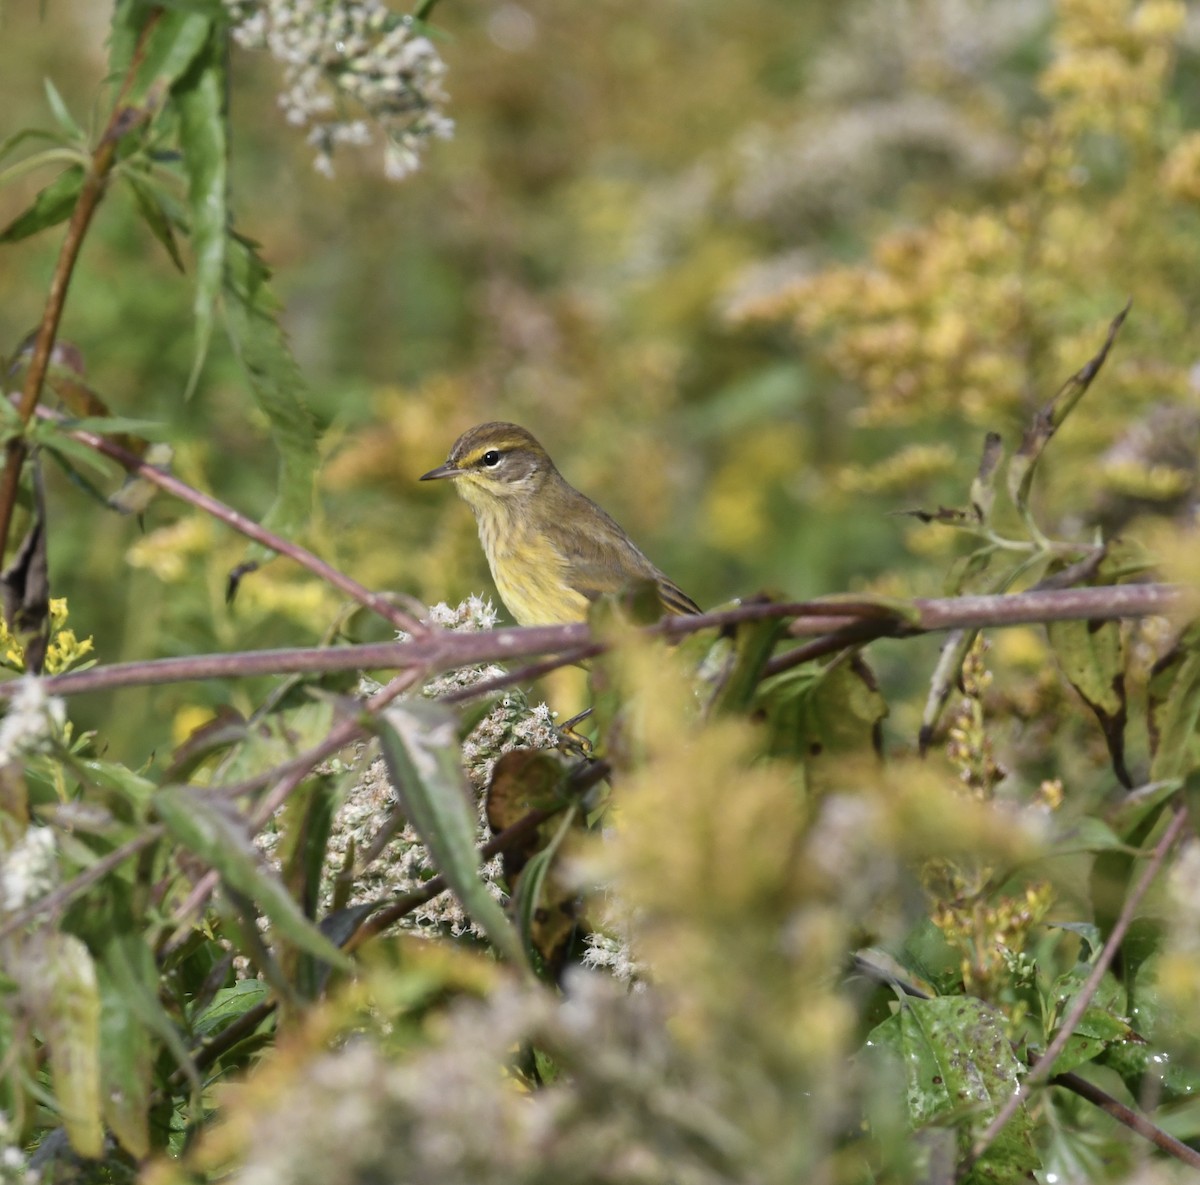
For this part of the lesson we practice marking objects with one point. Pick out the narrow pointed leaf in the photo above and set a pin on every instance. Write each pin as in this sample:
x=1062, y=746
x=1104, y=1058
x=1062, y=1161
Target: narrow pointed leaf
x=203, y=827
x=177, y=37
x=252, y=318
x=420, y=746
x=155, y=215
x=58, y=109
x=52, y=205
x=199, y=99
x=127, y=1060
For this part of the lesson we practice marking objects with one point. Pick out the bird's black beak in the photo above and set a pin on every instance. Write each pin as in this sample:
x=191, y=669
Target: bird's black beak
x=446, y=470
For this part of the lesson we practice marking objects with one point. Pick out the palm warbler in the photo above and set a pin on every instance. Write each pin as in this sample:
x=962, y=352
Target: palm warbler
x=551, y=550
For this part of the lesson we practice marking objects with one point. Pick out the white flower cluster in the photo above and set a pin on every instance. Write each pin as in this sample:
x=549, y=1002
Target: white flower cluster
x=14, y=1168
x=29, y=869
x=404, y=865
x=357, y=52
x=32, y=718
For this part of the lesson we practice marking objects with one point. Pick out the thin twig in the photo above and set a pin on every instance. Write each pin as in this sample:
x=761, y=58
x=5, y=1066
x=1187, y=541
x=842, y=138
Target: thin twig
x=445, y=650
x=1083, y=999
x=1134, y=1120
x=122, y=120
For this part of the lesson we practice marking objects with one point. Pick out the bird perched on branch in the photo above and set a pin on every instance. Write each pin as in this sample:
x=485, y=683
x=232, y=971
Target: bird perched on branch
x=551, y=550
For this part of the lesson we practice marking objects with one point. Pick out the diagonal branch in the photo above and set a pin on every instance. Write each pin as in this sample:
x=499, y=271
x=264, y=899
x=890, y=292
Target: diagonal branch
x=133, y=464
x=1083, y=1000
x=120, y=123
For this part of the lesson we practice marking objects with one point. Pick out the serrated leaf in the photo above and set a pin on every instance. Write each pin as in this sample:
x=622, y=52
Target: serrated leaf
x=59, y=988
x=199, y=99
x=205, y=828
x=959, y=1066
x=53, y=204
x=176, y=39
x=251, y=314
x=1097, y=1030
x=420, y=747
x=155, y=215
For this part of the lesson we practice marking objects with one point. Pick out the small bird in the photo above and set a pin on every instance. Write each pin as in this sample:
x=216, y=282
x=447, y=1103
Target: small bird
x=551, y=550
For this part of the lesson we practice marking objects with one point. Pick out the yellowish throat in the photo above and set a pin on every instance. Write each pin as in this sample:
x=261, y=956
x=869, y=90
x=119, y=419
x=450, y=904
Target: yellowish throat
x=551, y=550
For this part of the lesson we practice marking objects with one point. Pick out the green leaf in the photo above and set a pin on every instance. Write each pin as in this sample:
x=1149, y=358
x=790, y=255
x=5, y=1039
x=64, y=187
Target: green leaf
x=1141, y=1064
x=738, y=681
x=810, y=714
x=129, y=963
x=54, y=204
x=1129, y=812
x=199, y=99
x=1097, y=1030
x=1173, y=708
x=11, y=143
x=58, y=109
x=230, y=1004
x=59, y=987
x=252, y=319
x=116, y=425
x=157, y=214
x=204, y=826
x=176, y=39
x=959, y=1067
x=541, y=921
x=1092, y=656
x=420, y=747
x=56, y=437
x=127, y=1061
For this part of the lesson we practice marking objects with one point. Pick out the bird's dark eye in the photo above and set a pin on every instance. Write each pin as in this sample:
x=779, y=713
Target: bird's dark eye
x=491, y=458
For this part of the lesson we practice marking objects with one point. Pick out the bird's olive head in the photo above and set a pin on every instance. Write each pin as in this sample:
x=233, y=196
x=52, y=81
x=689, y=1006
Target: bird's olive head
x=495, y=461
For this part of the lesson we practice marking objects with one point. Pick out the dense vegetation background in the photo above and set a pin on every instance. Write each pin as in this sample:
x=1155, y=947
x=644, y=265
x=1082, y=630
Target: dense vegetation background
x=760, y=276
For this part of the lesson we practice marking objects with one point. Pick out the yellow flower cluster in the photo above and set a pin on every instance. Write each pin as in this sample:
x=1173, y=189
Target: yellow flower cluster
x=64, y=651
x=910, y=467
x=1113, y=60
x=990, y=936
x=981, y=313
